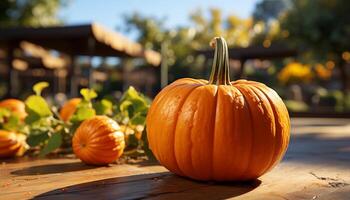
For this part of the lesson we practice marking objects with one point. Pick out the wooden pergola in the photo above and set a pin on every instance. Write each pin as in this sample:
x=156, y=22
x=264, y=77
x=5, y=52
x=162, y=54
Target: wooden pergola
x=83, y=40
x=254, y=52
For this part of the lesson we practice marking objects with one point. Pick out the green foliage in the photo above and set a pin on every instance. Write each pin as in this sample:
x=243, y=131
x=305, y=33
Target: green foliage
x=322, y=28
x=103, y=107
x=85, y=109
x=47, y=132
x=267, y=10
x=4, y=113
x=133, y=107
x=88, y=94
x=38, y=87
x=10, y=121
x=30, y=12
x=53, y=143
x=38, y=105
x=44, y=129
x=178, y=45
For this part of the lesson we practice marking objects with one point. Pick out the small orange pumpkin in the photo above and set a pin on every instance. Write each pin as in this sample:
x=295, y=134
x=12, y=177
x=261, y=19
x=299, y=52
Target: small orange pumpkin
x=12, y=144
x=218, y=130
x=16, y=106
x=69, y=108
x=98, y=141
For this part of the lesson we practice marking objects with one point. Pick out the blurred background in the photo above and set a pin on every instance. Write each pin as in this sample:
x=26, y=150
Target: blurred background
x=300, y=48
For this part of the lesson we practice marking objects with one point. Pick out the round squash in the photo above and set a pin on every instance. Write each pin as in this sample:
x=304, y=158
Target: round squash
x=16, y=106
x=218, y=130
x=98, y=141
x=12, y=144
x=69, y=108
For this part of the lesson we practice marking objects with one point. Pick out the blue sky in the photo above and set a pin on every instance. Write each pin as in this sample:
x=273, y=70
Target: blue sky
x=109, y=12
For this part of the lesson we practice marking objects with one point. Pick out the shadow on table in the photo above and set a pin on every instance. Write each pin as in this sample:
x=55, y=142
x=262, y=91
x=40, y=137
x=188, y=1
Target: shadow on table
x=158, y=185
x=53, y=168
x=316, y=149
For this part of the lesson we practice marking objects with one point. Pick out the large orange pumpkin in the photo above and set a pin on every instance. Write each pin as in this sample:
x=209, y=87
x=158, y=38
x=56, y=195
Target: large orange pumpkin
x=16, y=106
x=98, y=141
x=217, y=129
x=12, y=144
x=69, y=108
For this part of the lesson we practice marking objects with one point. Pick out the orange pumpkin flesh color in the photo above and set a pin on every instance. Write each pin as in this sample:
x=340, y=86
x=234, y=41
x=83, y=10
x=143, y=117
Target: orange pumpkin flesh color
x=11, y=144
x=98, y=141
x=69, y=108
x=218, y=130
x=16, y=106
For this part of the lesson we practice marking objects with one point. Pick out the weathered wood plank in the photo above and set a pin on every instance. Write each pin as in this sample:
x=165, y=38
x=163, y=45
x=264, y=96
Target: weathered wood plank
x=316, y=166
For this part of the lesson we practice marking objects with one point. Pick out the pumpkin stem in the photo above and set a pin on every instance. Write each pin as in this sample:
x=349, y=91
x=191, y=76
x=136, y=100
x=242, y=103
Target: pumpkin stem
x=220, y=74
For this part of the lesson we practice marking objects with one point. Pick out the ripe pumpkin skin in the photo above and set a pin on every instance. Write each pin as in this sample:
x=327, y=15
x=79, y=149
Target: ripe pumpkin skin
x=98, y=141
x=222, y=132
x=69, y=108
x=16, y=106
x=11, y=144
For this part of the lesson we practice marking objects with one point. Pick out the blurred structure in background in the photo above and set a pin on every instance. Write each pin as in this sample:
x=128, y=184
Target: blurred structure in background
x=52, y=54
x=263, y=47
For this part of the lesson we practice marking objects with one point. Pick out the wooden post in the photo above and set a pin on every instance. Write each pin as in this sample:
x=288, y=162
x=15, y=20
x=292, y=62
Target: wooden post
x=91, y=48
x=164, y=66
x=9, y=61
x=73, y=75
x=240, y=73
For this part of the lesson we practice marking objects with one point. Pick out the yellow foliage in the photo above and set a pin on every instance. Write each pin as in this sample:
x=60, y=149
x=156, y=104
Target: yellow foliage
x=295, y=72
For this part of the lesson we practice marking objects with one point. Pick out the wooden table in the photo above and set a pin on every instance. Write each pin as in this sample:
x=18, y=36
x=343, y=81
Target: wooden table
x=316, y=166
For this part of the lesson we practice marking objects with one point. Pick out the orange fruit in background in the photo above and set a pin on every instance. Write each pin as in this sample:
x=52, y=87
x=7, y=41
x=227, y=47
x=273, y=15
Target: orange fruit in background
x=69, y=108
x=16, y=106
x=12, y=144
x=98, y=141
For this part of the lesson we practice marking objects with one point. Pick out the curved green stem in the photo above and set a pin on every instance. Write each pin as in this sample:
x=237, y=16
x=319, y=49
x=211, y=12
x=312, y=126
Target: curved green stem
x=220, y=74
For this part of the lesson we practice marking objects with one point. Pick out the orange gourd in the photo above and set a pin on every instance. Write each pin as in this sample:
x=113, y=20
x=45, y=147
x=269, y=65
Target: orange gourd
x=16, y=106
x=98, y=141
x=12, y=144
x=69, y=108
x=217, y=129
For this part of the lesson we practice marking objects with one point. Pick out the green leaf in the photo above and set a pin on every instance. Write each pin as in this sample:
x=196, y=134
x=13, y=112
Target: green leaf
x=84, y=113
x=138, y=120
x=13, y=123
x=125, y=105
x=88, y=94
x=103, y=107
x=36, y=139
x=32, y=117
x=38, y=105
x=39, y=87
x=4, y=113
x=53, y=143
x=145, y=146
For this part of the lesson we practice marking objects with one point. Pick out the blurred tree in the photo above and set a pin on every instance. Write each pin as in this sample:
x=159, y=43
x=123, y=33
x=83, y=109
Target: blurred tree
x=181, y=41
x=322, y=30
x=267, y=10
x=30, y=12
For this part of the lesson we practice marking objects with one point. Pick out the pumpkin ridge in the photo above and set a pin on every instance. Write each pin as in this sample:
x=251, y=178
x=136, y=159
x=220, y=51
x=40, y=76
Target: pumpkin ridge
x=252, y=131
x=176, y=120
x=253, y=88
x=213, y=132
x=161, y=96
x=156, y=133
x=284, y=144
x=189, y=138
x=248, y=91
x=276, y=152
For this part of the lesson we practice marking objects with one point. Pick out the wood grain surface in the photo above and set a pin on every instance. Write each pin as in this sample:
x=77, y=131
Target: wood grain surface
x=316, y=166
